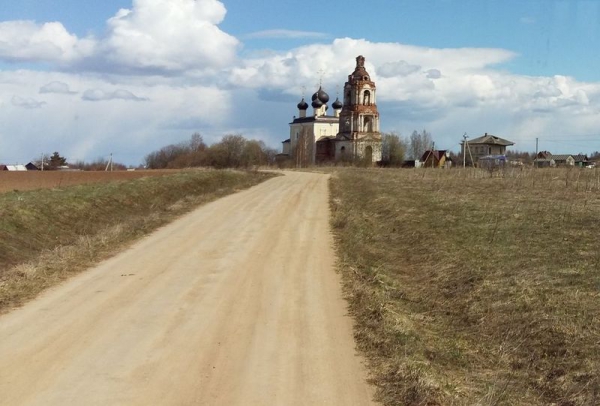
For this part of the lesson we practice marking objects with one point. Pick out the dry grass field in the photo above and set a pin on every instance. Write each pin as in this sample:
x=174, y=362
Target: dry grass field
x=46, y=235
x=30, y=180
x=471, y=289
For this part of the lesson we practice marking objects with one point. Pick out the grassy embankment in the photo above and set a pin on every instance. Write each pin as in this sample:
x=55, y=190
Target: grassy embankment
x=49, y=234
x=474, y=290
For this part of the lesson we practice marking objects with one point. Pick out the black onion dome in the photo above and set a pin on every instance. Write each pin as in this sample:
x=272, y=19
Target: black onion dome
x=317, y=103
x=303, y=105
x=321, y=95
x=337, y=104
x=324, y=97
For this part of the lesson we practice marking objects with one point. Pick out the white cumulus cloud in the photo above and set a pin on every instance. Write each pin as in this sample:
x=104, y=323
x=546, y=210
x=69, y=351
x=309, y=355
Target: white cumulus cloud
x=101, y=95
x=27, y=102
x=50, y=42
x=169, y=35
x=56, y=87
x=434, y=74
x=154, y=36
x=397, y=68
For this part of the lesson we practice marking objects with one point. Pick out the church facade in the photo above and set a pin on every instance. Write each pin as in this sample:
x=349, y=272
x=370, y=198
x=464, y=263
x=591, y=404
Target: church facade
x=350, y=133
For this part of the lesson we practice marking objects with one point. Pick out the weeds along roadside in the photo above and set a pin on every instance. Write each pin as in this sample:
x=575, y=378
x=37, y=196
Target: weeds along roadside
x=47, y=235
x=473, y=288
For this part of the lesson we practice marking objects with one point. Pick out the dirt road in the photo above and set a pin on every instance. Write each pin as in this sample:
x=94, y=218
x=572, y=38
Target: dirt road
x=236, y=303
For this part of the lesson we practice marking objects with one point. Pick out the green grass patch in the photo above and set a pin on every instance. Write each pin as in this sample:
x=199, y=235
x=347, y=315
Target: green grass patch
x=473, y=288
x=48, y=234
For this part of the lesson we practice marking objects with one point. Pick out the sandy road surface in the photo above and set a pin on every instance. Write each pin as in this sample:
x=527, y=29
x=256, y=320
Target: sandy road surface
x=234, y=304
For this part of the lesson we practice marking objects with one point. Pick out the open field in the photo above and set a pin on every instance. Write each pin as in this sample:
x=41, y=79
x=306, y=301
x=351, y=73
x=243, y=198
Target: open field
x=470, y=289
x=10, y=181
x=48, y=235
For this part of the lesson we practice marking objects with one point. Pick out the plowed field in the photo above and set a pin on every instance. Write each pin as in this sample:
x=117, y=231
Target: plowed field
x=55, y=179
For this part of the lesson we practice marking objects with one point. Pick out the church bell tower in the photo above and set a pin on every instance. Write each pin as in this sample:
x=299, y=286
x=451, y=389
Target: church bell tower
x=359, y=132
x=359, y=118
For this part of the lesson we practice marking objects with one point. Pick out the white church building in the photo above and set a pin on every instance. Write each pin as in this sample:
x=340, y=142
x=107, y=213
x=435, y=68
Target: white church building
x=351, y=133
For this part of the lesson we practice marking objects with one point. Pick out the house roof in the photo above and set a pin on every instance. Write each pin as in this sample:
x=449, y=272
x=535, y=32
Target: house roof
x=544, y=154
x=490, y=139
x=437, y=154
x=563, y=157
x=580, y=158
x=286, y=141
x=15, y=168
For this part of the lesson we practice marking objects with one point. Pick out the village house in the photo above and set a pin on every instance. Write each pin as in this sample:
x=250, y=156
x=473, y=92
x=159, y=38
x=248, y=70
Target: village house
x=436, y=159
x=351, y=133
x=547, y=159
x=487, y=145
x=581, y=160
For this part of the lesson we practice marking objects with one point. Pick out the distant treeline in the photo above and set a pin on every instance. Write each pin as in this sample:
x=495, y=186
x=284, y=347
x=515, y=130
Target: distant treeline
x=233, y=151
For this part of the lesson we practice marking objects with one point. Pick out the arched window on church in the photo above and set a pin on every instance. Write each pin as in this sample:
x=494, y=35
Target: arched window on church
x=367, y=98
x=368, y=124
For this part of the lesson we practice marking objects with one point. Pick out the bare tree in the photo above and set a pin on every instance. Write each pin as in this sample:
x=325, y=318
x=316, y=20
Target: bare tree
x=197, y=142
x=419, y=143
x=393, y=149
x=304, y=149
x=233, y=151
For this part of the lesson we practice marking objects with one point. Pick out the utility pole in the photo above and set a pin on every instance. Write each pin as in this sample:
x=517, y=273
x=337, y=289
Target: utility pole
x=432, y=153
x=42, y=162
x=109, y=164
x=465, y=150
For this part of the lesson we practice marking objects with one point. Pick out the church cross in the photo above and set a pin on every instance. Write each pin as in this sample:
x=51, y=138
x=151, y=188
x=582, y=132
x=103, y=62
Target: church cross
x=321, y=72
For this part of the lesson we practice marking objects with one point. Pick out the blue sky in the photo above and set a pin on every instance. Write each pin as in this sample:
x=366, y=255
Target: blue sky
x=87, y=86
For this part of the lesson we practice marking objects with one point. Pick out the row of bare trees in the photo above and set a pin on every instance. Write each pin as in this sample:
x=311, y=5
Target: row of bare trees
x=395, y=148
x=233, y=151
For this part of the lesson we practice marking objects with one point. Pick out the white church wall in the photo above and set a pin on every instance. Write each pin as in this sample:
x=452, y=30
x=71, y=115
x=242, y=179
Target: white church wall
x=326, y=130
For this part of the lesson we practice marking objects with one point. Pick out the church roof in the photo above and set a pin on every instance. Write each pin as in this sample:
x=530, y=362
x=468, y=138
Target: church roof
x=325, y=119
x=321, y=95
x=360, y=73
x=303, y=105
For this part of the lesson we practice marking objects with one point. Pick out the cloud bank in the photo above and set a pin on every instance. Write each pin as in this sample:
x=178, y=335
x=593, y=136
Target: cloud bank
x=164, y=69
x=101, y=95
x=56, y=87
